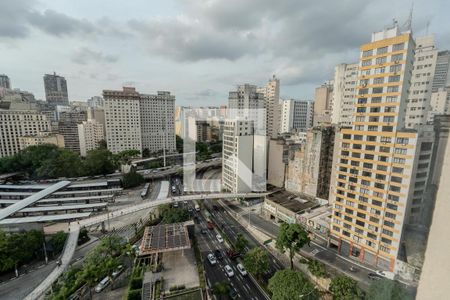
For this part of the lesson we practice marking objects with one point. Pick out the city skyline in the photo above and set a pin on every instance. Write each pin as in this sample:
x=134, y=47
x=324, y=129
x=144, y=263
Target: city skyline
x=88, y=43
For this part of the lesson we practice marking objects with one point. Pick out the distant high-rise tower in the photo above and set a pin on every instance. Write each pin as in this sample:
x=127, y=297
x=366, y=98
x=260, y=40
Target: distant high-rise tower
x=4, y=81
x=271, y=92
x=296, y=115
x=344, y=94
x=441, y=77
x=55, y=89
x=323, y=103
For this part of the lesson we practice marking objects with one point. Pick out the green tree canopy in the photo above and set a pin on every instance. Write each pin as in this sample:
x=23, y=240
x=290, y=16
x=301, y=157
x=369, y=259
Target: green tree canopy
x=57, y=241
x=256, y=261
x=170, y=214
x=317, y=268
x=290, y=285
x=221, y=288
x=132, y=179
x=385, y=289
x=99, y=161
x=344, y=288
x=291, y=237
x=241, y=243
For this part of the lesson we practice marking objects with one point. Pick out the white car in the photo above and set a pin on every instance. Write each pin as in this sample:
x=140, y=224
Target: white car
x=102, y=284
x=388, y=275
x=219, y=238
x=212, y=259
x=146, y=172
x=241, y=269
x=117, y=271
x=229, y=271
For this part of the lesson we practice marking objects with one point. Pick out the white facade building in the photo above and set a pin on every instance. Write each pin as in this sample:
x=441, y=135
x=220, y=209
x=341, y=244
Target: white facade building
x=296, y=115
x=271, y=92
x=421, y=82
x=344, y=94
x=90, y=133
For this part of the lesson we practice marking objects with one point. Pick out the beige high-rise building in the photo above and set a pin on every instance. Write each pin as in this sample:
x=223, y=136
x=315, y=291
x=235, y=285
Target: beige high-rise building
x=17, y=123
x=137, y=121
x=323, y=104
x=41, y=138
x=344, y=94
x=90, y=134
x=271, y=92
x=374, y=168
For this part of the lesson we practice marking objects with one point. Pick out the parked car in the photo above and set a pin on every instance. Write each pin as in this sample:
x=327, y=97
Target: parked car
x=117, y=271
x=387, y=274
x=374, y=276
x=102, y=284
x=210, y=226
x=229, y=271
x=212, y=259
x=241, y=269
x=219, y=238
x=203, y=231
x=218, y=254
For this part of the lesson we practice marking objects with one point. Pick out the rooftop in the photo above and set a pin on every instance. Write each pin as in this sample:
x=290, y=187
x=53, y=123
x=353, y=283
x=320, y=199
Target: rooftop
x=165, y=238
x=293, y=202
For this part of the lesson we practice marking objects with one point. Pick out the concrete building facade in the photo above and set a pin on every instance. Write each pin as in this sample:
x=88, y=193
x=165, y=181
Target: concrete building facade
x=17, y=123
x=323, y=103
x=271, y=92
x=344, y=94
x=68, y=127
x=4, y=81
x=55, y=89
x=40, y=139
x=296, y=115
x=90, y=133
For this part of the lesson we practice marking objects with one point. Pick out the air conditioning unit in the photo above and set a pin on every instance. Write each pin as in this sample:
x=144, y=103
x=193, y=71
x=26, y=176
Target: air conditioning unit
x=397, y=61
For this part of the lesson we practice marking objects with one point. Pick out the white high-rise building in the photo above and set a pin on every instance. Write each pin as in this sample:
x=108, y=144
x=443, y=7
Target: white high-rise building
x=421, y=82
x=243, y=157
x=139, y=121
x=90, y=133
x=344, y=94
x=441, y=77
x=296, y=115
x=271, y=92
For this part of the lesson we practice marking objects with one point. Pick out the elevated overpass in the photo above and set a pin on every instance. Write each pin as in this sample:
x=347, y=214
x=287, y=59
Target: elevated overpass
x=74, y=230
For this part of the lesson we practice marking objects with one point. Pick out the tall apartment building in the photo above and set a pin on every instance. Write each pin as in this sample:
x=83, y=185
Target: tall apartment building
x=17, y=123
x=55, y=89
x=68, y=127
x=344, y=94
x=441, y=78
x=421, y=82
x=271, y=92
x=376, y=158
x=90, y=133
x=323, y=103
x=4, y=81
x=157, y=121
x=245, y=98
x=309, y=167
x=139, y=121
x=296, y=115
x=243, y=157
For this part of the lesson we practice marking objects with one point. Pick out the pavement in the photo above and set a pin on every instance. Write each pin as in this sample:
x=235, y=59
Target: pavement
x=180, y=269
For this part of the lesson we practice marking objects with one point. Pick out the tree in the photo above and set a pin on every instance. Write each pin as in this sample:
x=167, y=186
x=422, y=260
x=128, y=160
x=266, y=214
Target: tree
x=288, y=284
x=124, y=157
x=256, y=261
x=317, y=268
x=385, y=289
x=241, y=243
x=179, y=144
x=344, y=288
x=132, y=179
x=99, y=161
x=65, y=164
x=221, y=288
x=102, y=144
x=146, y=153
x=291, y=237
x=57, y=241
x=171, y=214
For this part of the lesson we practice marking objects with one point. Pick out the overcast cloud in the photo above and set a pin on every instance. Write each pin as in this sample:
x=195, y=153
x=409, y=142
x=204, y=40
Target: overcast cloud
x=199, y=50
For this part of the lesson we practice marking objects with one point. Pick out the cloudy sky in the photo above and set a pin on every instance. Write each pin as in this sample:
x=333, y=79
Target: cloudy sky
x=197, y=49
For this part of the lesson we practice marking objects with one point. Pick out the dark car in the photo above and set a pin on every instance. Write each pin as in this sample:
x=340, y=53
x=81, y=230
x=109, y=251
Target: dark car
x=233, y=254
x=374, y=276
x=218, y=254
x=232, y=293
x=203, y=231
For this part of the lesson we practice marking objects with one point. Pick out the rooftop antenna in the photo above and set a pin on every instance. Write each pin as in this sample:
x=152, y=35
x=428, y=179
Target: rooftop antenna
x=428, y=27
x=408, y=24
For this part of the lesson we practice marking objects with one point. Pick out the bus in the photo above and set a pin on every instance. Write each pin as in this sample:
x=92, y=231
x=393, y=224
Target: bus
x=145, y=190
